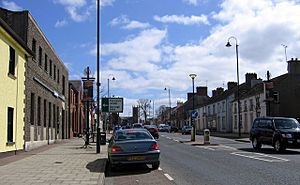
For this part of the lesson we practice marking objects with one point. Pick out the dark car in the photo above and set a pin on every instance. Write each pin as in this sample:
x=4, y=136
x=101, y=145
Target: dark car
x=137, y=125
x=133, y=146
x=186, y=129
x=279, y=132
x=173, y=128
x=153, y=130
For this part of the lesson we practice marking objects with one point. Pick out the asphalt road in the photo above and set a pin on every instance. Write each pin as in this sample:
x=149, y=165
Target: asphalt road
x=225, y=161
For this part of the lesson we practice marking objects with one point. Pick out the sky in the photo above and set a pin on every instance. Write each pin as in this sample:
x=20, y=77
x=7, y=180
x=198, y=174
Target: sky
x=150, y=45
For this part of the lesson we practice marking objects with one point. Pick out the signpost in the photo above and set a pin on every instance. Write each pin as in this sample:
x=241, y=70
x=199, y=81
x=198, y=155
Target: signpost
x=114, y=105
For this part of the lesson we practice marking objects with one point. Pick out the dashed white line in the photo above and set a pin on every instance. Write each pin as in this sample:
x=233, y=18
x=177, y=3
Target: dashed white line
x=176, y=140
x=261, y=157
x=169, y=177
x=159, y=169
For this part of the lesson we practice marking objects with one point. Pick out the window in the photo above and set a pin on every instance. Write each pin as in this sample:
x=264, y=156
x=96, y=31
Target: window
x=63, y=85
x=12, y=61
x=10, y=124
x=57, y=119
x=33, y=46
x=39, y=111
x=54, y=116
x=50, y=68
x=45, y=113
x=54, y=72
x=32, y=108
x=40, y=55
x=46, y=62
x=58, y=76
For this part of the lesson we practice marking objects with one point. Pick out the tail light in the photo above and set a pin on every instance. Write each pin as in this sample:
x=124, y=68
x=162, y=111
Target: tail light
x=115, y=149
x=154, y=147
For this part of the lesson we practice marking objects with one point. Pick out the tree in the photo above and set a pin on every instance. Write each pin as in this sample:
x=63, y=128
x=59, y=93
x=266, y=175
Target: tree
x=145, y=106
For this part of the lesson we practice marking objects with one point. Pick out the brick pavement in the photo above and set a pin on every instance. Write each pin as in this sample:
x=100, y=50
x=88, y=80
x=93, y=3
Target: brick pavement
x=63, y=163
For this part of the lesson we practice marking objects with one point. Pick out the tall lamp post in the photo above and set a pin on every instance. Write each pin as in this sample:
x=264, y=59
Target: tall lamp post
x=238, y=81
x=193, y=135
x=98, y=78
x=108, y=95
x=169, y=93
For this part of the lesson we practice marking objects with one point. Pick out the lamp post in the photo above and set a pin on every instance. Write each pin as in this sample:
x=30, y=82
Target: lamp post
x=169, y=93
x=108, y=95
x=98, y=78
x=193, y=134
x=238, y=81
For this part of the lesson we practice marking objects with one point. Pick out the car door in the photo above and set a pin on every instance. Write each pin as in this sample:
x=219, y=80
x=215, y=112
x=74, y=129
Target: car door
x=268, y=132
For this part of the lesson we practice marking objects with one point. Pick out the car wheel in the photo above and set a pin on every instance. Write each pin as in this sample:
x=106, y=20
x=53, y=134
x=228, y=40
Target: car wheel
x=155, y=166
x=278, y=146
x=256, y=144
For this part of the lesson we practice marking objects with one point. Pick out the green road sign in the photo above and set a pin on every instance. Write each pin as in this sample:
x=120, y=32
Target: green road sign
x=112, y=105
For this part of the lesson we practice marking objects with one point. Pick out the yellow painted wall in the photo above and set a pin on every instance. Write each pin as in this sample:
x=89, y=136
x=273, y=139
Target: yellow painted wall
x=12, y=92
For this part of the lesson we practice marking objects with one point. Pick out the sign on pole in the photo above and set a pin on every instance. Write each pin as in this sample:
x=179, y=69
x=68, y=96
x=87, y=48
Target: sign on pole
x=112, y=105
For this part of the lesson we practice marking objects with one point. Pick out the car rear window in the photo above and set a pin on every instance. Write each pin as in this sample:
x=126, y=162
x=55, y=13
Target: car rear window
x=132, y=135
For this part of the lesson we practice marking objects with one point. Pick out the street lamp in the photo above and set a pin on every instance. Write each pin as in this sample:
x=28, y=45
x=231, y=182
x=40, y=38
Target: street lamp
x=169, y=103
x=193, y=135
x=238, y=81
x=98, y=78
x=108, y=95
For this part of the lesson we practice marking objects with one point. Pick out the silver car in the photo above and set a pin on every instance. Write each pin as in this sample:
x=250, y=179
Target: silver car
x=133, y=146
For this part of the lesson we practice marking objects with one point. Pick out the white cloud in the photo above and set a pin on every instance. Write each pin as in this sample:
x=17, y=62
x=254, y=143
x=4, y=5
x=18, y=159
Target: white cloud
x=78, y=10
x=192, y=2
x=181, y=19
x=61, y=23
x=128, y=24
x=106, y=2
x=11, y=6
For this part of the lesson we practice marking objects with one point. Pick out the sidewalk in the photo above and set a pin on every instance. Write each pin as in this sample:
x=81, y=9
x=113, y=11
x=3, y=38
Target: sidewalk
x=63, y=163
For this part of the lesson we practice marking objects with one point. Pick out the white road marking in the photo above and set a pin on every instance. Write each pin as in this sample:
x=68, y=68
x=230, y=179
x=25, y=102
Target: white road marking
x=261, y=157
x=217, y=147
x=169, y=177
x=176, y=140
x=168, y=137
x=206, y=147
x=159, y=169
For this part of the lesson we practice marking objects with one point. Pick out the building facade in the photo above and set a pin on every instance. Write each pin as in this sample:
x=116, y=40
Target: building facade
x=46, y=80
x=14, y=54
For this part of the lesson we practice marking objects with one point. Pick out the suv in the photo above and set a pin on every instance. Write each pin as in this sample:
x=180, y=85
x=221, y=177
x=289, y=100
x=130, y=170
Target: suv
x=278, y=132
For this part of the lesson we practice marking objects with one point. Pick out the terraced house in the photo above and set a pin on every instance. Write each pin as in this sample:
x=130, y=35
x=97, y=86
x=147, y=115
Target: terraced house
x=46, y=83
x=13, y=57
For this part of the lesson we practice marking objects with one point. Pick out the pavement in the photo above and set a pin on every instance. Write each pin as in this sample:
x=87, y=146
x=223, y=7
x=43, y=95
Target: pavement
x=63, y=163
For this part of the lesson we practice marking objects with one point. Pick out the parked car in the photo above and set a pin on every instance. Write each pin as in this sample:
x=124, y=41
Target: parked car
x=173, y=128
x=153, y=130
x=164, y=128
x=137, y=125
x=133, y=146
x=117, y=127
x=279, y=132
x=186, y=129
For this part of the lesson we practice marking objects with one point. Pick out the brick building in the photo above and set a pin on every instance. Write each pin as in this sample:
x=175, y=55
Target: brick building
x=46, y=80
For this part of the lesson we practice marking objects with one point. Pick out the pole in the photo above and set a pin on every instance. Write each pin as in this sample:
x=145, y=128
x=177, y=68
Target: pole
x=238, y=87
x=192, y=119
x=169, y=91
x=98, y=78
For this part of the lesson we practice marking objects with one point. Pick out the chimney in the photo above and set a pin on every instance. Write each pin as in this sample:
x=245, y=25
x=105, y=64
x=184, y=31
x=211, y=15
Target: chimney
x=214, y=93
x=217, y=91
x=294, y=66
x=231, y=85
x=201, y=91
x=189, y=95
x=249, y=77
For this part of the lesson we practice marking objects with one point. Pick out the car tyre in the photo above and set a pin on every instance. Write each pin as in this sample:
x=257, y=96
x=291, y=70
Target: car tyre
x=155, y=165
x=256, y=144
x=279, y=146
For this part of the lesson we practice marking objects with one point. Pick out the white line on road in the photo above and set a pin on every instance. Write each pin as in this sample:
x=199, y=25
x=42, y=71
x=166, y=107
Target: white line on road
x=261, y=157
x=159, y=169
x=206, y=147
x=169, y=177
x=176, y=140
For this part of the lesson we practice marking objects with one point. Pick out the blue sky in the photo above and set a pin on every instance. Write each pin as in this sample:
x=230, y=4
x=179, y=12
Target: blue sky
x=148, y=45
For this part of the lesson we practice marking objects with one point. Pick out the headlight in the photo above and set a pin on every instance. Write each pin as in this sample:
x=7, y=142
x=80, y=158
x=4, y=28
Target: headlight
x=287, y=135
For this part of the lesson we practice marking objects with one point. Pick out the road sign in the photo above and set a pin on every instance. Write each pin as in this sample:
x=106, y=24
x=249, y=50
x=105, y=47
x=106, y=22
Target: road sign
x=194, y=114
x=112, y=104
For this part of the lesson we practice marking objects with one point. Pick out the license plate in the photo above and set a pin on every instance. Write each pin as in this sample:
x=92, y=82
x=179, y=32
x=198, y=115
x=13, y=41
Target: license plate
x=136, y=158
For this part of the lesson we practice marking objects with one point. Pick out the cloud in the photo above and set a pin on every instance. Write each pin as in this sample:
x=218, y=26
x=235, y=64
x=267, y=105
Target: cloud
x=79, y=10
x=181, y=19
x=104, y=3
x=128, y=24
x=192, y=2
x=61, y=23
x=11, y=6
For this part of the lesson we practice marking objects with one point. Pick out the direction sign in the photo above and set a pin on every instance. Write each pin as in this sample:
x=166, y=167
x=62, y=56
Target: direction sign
x=112, y=105
x=194, y=114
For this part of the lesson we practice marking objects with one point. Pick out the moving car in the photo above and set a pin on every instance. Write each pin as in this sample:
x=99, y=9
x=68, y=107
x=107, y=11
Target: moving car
x=164, y=128
x=279, y=132
x=186, y=129
x=153, y=130
x=133, y=146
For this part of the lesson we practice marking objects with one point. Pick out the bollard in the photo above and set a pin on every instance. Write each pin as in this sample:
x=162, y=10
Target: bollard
x=206, y=136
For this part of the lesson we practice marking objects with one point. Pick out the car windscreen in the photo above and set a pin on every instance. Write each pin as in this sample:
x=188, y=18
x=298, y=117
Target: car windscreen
x=286, y=124
x=132, y=135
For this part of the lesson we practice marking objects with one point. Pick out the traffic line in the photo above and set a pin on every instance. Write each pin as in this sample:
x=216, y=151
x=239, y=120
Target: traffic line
x=259, y=156
x=159, y=169
x=169, y=177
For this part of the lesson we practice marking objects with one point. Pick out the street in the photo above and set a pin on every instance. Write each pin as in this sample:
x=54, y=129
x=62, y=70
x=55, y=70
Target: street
x=224, y=161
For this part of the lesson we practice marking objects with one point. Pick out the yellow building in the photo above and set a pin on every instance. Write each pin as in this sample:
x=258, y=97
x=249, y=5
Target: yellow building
x=13, y=56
